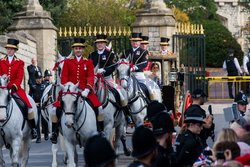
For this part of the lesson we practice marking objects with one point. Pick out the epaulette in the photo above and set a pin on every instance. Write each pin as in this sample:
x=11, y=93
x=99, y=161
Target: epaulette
x=84, y=58
x=72, y=57
x=4, y=58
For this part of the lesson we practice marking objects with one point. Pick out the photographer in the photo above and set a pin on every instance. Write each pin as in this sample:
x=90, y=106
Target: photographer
x=198, y=97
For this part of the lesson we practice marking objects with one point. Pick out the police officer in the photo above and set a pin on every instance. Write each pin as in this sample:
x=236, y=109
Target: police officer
x=32, y=69
x=144, y=147
x=188, y=144
x=37, y=92
x=99, y=152
x=232, y=66
x=246, y=66
x=47, y=77
x=138, y=57
x=198, y=97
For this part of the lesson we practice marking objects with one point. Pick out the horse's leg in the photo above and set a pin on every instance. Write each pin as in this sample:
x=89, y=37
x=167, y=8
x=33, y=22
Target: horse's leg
x=16, y=143
x=121, y=134
x=76, y=157
x=25, y=151
x=54, y=149
x=62, y=144
x=70, y=152
x=2, y=162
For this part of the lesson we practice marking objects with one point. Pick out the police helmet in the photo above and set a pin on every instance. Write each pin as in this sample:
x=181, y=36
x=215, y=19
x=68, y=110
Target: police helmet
x=47, y=72
x=162, y=124
x=154, y=108
x=195, y=116
x=241, y=98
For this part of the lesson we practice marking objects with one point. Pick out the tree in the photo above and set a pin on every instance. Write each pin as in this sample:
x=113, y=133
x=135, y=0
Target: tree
x=8, y=9
x=99, y=13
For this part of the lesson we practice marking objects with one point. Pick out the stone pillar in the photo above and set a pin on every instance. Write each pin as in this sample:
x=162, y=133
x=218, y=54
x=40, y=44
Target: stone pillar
x=38, y=23
x=155, y=20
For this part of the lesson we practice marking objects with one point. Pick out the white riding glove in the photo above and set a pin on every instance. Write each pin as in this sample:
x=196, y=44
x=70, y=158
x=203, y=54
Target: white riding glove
x=101, y=70
x=85, y=93
x=134, y=68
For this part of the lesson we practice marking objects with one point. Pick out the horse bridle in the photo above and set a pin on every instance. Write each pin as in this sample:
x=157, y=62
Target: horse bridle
x=4, y=87
x=129, y=73
x=74, y=94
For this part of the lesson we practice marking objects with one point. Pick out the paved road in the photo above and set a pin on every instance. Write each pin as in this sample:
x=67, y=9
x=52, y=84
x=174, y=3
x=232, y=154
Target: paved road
x=41, y=156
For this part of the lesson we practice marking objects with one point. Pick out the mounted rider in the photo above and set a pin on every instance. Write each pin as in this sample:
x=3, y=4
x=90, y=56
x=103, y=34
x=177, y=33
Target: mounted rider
x=78, y=69
x=138, y=57
x=105, y=60
x=14, y=68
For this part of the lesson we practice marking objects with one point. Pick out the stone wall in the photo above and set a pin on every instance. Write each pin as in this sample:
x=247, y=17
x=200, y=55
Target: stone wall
x=27, y=50
x=235, y=18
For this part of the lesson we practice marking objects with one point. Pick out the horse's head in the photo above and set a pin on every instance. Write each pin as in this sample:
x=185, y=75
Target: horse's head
x=69, y=100
x=123, y=72
x=4, y=96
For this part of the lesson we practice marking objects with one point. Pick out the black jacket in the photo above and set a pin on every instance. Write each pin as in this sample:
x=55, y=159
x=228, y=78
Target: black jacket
x=137, y=57
x=32, y=71
x=188, y=149
x=165, y=158
x=36, y=92
x=106, y=60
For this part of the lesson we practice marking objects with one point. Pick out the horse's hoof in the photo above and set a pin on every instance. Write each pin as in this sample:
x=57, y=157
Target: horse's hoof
x=127, y=152
x=15, y=165
x=65, y=160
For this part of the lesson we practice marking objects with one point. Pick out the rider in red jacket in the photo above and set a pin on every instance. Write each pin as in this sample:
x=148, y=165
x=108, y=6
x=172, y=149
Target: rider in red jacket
x=14, y=68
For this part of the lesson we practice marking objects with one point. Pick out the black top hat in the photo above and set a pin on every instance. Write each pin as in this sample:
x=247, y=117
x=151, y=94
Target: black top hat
x=241, y=98
x=163, y=124
x=12, y=43
x=164, y=41
x=135, y=36
x=154, y=108
x=38, y=75
x=143, y=142
x=79, y=42
x=144, y=40
x=101, y=38
x=195, y=115
x=198, y=93
x=98, y=152
x=47, y=72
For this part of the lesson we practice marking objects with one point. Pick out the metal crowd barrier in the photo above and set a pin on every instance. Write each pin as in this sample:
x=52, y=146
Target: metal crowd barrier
x=218, y=88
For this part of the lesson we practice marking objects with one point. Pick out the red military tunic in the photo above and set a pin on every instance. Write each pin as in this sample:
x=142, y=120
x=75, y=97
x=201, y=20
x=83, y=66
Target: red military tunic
x=82, y=72
x=15, y=71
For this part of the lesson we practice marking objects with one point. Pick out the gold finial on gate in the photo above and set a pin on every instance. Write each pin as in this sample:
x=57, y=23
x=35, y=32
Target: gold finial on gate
x=60, y=31
x=129, y=31
x=198, y=29
x=114, y=31
x=119, y=31
x=80, y=31
x=124, y=31
x=100, y=30
x=95, y=32
x=202, y=29
x=70, y=32
x=105, y=30
x=74, y=32
x=110, y=31
x=188, y=27
x=90, y=32
x=85, y=31
x=65, y=32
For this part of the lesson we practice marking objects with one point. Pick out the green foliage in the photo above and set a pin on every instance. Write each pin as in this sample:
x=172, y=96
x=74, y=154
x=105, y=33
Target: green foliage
x=7, y=12
x=99, y=13
x=8, y=9
x=218, y=41
x=218, y=38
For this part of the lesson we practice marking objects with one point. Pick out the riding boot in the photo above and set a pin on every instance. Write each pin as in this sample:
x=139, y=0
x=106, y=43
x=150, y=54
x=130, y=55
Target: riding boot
x=55, y=132
x=97, y=122
x=127, y=115
x=32, y=124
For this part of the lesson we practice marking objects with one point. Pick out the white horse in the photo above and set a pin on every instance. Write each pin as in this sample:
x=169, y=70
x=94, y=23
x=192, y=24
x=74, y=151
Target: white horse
x=113, y=115
x=48, y=98
x=15, y=131
x=78, y=121
x=136, y=98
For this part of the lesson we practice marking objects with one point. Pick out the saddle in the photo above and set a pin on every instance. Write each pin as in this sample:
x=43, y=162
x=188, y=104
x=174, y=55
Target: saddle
x=22, y=106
